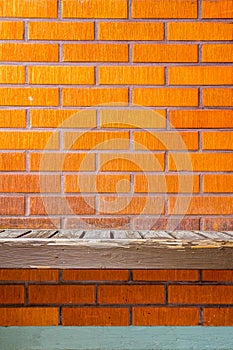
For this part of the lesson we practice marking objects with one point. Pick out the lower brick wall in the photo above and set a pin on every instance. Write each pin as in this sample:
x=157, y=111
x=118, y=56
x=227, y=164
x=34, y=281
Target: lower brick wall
x=48, y=297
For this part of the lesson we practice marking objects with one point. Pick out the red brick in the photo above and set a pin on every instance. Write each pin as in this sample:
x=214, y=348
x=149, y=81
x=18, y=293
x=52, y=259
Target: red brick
x=217, y=224
x=61, y=294
x=61, y=205
x=200, y=294
x=165, y=316
x=10, y=294
x=11, y=30
x=28, y=274
x=29, y=183
x=95, y=275
x=33, y=223
x=12, y=205
x=218, y=316
x=166, y=224
x=217, y=275
x=97, y=223
x=94, y=316
x=165, y=275
x=12, y=161
x=25, y=52
x=29, y=316
x=217, y=9
x=29, y=8
x=12, y=118
x=133, y=294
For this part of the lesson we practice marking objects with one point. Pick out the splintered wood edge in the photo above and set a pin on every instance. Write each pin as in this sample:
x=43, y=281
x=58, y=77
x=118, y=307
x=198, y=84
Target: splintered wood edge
x=116, y=253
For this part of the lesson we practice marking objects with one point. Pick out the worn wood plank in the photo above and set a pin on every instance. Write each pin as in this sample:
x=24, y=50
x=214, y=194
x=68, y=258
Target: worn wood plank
x=40, y=234
x=125, y=234
x=13, y=233
x=186, y=235
x=156, y=235
x=116, y=253
x=69, y=234
x=214, y=235
x=97, y=234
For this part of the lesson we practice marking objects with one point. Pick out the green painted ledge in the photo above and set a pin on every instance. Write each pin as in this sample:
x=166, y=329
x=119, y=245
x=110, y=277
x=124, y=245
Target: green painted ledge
x=116, y=338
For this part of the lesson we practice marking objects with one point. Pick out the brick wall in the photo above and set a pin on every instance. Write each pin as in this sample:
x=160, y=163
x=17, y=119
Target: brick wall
x=111, y=112
x=116, y=298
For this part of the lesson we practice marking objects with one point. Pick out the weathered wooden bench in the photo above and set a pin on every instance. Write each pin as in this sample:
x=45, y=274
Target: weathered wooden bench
x=116, y=249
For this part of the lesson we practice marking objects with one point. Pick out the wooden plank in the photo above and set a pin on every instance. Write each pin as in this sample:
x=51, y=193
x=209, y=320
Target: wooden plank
x=116, y=253
x=97, y=234
x=156, y=235
x=120, y=234
x=13, y=233
x=228, y=233
x=69, y=234
x=214, y=235
x=186, y=235
x=116, y=338
x=40, y=234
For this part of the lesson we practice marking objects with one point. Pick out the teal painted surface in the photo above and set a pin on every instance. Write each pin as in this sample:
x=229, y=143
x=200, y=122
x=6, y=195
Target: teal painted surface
x=116, y=338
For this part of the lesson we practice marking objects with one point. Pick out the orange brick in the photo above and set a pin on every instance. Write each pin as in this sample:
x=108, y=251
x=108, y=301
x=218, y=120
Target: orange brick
x=218, y=183
x=131, y=31
x=217, y=140
x=165, y=140
x=131, y=75
x=95, y=52
x=217, y=275
x=212, y=75
x=33, y=223
x=10, y=294
x=197, y=119
x=95, y=275
x=29, y=140
x=217, y=9
x=200, y=294
x=60, y=294
x=28, y=274
x=133, y=294
x=200, y=205
x=131, y=162
x=93, y=96
x=28, y=97
x=51, y=118
x=29, y=8
x=133, y=118
x=166, y=184
x=12, y=205
x=165, y=97
x=29, y=183
x=62, y=205
x=12, y=161
x=12, y=118
x=94, y=9
x=93, y=316
x=201, y=161
x=97, y=183
x=12, y=75
x=11, y=30
x=97, y=223
x=96, y=140
x=164, y=9
x=24, y=52
x=165, y=275
x=165, y=316
x=217, y=224
x=217, y=97
x=60, y=31
x=131, y=205
x=29, y=316
x=218, y=316
x=217, y=53
x=165, y=53
x=62, y=162
x=61, y=75
x=200, y=31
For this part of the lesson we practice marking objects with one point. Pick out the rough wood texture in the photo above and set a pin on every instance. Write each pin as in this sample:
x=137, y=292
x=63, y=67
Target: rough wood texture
x=116, y=249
